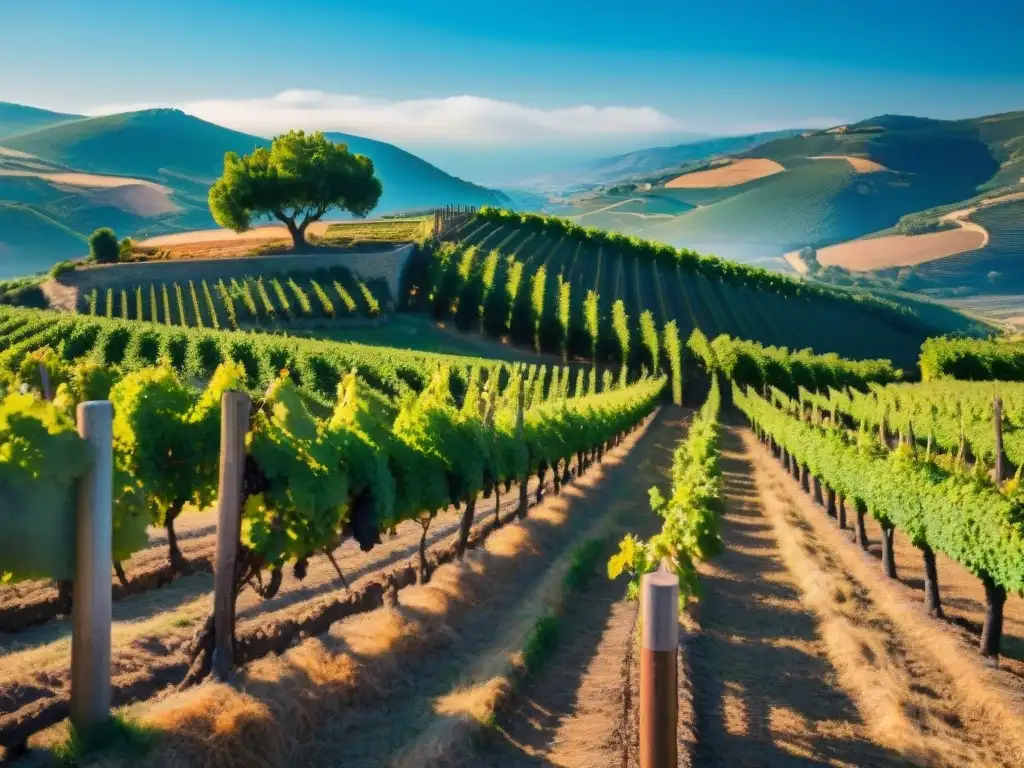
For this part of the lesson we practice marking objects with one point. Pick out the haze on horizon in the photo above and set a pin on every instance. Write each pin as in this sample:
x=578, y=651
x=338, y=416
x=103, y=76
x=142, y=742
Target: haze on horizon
x=495, y=95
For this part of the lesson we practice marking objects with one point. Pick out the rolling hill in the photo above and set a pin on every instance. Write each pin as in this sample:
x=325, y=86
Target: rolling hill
x=833, y=185
x=644, y=163
x=15, y=119
x=168, y=152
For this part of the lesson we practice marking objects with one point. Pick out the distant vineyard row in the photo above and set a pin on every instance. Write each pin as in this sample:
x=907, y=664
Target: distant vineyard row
x=853, y=326
x=238, y=303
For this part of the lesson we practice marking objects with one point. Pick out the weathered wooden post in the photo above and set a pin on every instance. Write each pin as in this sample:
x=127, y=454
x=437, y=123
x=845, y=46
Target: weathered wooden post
x=94, y=534
x=524, y=502
x=997, y=409
x=659, y=698
x=234, y=423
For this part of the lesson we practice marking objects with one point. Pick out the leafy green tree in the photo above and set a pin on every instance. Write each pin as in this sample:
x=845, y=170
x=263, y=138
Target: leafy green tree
x=103, y=246
x=297, y=181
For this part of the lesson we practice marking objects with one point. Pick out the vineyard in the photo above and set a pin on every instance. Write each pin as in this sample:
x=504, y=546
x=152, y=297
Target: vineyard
x=248, y=301
x=993, y=268
x=296, y=524
x=321, y=469
x=541, y=281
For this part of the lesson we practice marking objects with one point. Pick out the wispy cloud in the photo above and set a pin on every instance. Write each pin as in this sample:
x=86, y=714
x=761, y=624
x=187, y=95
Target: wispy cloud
x=449, y=120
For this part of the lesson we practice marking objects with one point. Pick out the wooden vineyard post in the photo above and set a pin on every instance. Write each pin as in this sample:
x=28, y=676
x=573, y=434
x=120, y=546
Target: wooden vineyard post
x=234, y=423
x=93, y=596
x=659, y=696
x=524, y=502
x=997, y=409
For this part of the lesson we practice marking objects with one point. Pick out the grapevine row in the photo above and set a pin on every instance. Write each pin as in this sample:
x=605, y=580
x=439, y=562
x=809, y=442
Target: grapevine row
x=940, y=510
x=690, y=512
x=241, y=302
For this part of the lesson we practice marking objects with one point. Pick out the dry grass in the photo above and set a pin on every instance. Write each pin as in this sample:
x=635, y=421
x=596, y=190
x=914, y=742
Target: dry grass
x=897, y=250
x=293, y=709
x=729, y=175
x=919, y=689
x=208, y=236
x=859, y=164
x=88, y=180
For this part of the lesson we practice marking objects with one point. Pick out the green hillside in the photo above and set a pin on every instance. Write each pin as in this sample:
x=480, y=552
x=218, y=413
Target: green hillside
x=996, y=268
x=709, y=294
x=16, y=118
x=183, y=153
x=818, y=202
x=412, y=183
x=28, y=237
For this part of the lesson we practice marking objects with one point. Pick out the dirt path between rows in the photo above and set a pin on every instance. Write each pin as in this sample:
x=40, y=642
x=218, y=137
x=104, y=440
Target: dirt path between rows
x=572, y=713
x=411, y=725
x=152, y=631
x=799, y=662
x=765, y=691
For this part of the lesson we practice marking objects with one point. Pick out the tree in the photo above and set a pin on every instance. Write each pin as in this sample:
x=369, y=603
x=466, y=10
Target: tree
x=297, y=181
x=103, y=246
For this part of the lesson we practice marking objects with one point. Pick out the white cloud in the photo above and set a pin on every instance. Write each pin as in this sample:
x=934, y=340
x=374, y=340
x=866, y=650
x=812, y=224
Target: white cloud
x=449, y=120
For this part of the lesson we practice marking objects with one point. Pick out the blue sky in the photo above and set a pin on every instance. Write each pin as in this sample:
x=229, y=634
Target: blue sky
x=569, y=78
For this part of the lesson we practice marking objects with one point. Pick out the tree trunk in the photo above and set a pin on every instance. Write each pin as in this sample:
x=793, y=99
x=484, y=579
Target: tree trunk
x=424, y=574
x=580, y=464
x=298, y=235
x=178, y=562
x=540, y=484
x=556, y=480
x=524, y=501
x=466, y=525
x=566, y=474
x=932, y=603
x=119, y=570
x=497, y=504
x=888, y=554
x=842, y=513
x=860, y=533
x=830, y=501
x=992, y=632
x=804, y=479
x=817, y=491
x=65, y=596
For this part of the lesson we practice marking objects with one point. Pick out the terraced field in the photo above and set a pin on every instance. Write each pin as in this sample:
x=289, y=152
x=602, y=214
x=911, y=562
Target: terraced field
x=1002, y=255
x=695, y=301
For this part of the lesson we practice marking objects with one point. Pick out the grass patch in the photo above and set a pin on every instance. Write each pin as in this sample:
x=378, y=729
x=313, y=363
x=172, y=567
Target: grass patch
x=119, y=736
x=584, y=563
x=544, y=637
x=541, y=642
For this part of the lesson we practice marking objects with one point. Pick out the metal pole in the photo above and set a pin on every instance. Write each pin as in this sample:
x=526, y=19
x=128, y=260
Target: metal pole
x=234, y=423
x=94, y=532
x=659, y=697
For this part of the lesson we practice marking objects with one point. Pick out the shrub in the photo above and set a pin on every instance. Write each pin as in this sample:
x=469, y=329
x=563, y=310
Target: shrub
x=62, y=268
x=125, y=248
x=103, y=246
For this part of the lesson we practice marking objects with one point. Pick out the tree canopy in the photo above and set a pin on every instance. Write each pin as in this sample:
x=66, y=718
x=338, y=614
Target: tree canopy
x=103, y=246
x=296, y=181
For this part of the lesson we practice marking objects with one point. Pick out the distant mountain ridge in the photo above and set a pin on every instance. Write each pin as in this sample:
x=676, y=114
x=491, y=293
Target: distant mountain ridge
x=645, y=162
x=814, y=188
x=183, y=154
x=16, y=118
